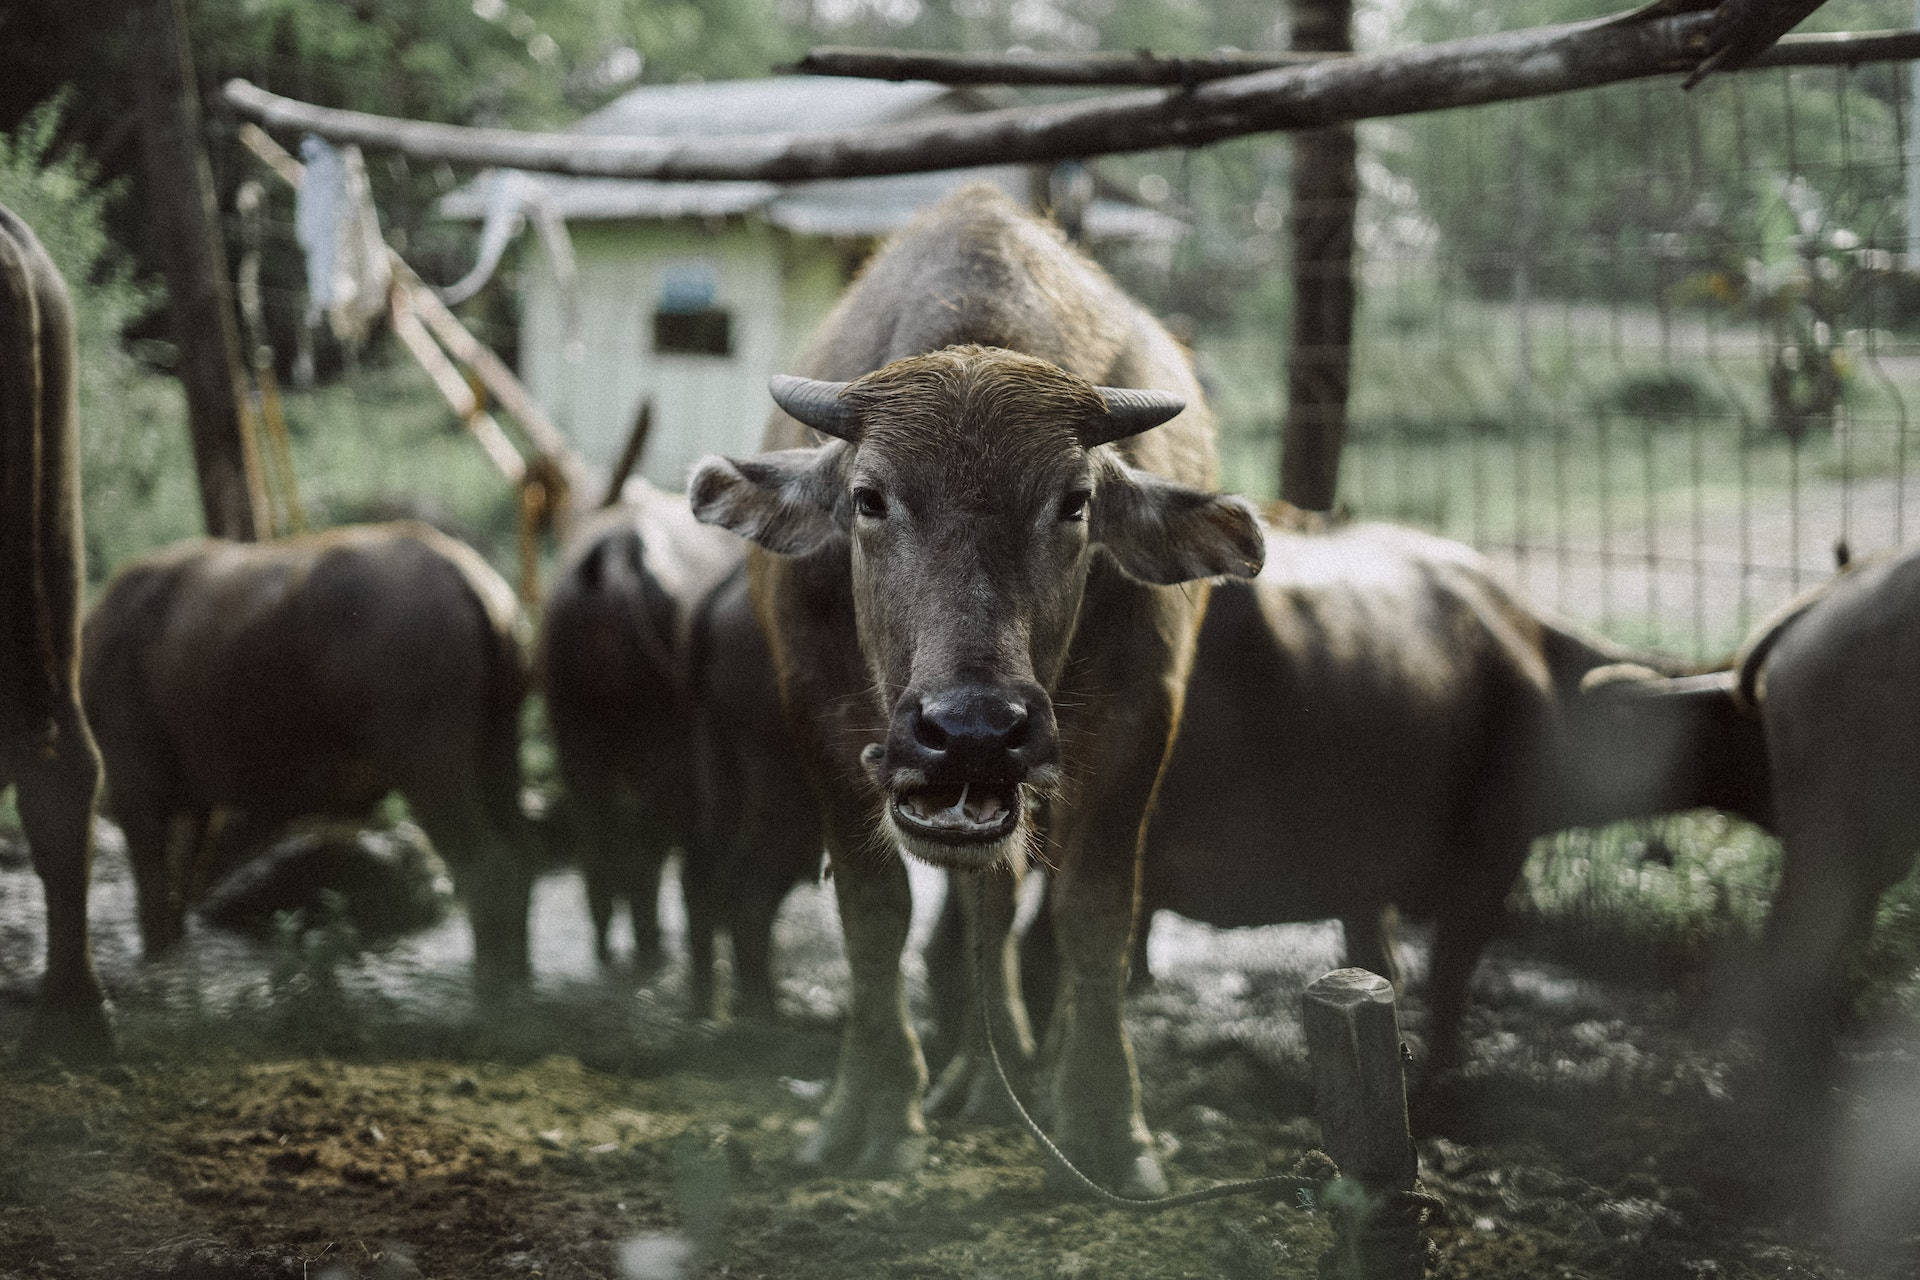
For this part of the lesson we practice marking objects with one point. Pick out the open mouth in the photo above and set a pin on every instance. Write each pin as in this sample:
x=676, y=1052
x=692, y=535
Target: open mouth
x=959, y=813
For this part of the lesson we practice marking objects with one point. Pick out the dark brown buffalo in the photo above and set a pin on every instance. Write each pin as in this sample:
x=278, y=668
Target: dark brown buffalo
x=45, y=749
x=970, y=590
x=1377, y=722
x=1835, y=682
x=615, y=665
x=759, y=829
x=313, y=676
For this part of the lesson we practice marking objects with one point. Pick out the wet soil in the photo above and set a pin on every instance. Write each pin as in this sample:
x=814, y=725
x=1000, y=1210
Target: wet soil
x=291, y=1110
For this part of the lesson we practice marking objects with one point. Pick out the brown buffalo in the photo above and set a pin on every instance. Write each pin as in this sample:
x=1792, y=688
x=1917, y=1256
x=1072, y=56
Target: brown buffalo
x=970, y=588
x=1377, y=722
x=759, y=830
x=312, y=676
x=1834, y=681
x=45, y=749
x=615, y=665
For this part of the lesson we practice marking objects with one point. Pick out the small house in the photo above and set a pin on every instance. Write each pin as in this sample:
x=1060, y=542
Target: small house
x=689, y=295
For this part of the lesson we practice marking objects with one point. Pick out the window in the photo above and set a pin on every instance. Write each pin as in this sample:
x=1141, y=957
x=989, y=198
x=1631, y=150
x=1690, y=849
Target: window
x=686, y=318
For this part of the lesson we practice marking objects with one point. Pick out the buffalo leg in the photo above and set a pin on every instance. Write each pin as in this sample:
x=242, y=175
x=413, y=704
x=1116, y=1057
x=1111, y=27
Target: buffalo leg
x=618, y=861
x=944, y=956
x=56, y=794
x=873, y=1117
x=1823, y=910
x=969, y=1086
x=1040, y=966
x=1096, y=1084
x=492, y=878
x=751, y=927
x=640, y=887
x=775, y=843
x=154, y=856
x=702, y=891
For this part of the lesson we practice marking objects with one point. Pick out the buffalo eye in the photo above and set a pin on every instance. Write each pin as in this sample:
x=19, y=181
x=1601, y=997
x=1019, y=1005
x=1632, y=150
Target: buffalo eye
x=1073, y=507
x=868, y=502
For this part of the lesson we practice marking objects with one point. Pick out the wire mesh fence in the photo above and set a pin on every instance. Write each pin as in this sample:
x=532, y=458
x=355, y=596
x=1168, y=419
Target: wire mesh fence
x=1655, y=353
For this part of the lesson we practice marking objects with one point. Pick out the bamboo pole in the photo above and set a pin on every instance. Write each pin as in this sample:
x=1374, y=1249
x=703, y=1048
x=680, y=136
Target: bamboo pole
x=500, y=382
x=453, y=388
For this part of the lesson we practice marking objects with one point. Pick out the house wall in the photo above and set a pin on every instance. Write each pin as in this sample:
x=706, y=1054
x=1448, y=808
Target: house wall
x=593, y=369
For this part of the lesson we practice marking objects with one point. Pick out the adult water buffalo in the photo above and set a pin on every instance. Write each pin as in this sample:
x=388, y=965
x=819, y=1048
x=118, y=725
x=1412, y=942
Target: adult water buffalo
x=312, y=676
x=615, y=664
x=1377, y=721
x=45, y=749
x=968, y=589
x=1835, y=679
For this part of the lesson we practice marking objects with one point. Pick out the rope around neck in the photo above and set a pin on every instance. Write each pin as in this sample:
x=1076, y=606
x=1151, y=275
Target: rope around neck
x=1299, y=1185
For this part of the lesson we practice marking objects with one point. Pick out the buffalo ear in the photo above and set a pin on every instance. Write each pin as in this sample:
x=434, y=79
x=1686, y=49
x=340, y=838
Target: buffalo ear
x=1164, y=533
x=788, y=501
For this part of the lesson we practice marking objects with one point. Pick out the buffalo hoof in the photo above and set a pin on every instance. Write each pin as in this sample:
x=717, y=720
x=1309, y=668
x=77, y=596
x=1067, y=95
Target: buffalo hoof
x=866, y=1142
x=1137, y=1177
x=969, y=1090
x=79, y=1035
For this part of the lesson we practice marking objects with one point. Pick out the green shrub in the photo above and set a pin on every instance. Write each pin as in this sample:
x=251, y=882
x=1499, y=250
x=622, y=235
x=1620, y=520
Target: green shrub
x=136, y=469
x=1662, y=395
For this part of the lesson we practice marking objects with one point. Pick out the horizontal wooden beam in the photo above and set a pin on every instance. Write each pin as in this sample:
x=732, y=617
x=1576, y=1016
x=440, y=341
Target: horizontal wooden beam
x=1142, y=67
x=1146, y=67
x=1456, y=73
x=1840, y=49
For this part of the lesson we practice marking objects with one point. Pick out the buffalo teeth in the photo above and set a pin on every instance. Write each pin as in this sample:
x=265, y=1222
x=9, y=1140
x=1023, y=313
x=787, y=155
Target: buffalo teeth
x=964, y=812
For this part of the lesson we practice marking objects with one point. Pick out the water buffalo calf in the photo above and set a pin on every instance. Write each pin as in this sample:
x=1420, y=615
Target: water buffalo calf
x=312, y=676
x=968, y=545
x=45, y=749
x=616, y=667
x=760, y=829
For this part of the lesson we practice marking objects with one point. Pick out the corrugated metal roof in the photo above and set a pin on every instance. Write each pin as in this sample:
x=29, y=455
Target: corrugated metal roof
x=816, y=104
x=850, y=207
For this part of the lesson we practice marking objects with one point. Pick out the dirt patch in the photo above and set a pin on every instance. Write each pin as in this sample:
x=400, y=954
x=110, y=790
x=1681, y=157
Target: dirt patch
x=273, y=1125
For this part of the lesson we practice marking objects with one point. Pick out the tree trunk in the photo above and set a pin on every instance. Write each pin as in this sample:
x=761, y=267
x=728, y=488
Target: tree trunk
x=1326, y=187
x=178, y=189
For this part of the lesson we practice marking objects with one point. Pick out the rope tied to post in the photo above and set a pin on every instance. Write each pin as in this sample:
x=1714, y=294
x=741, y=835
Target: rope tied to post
x=1314, y=1181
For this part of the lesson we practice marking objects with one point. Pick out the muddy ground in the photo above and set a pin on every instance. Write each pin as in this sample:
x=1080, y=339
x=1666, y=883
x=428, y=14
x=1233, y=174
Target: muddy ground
x=282, y=1111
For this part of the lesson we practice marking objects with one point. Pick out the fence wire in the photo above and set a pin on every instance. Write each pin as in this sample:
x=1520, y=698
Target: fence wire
x=1653, y=352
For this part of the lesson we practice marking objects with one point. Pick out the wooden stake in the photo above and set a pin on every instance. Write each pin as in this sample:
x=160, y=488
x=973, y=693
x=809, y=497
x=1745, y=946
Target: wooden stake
x=629, y=454
x=1360, y=1095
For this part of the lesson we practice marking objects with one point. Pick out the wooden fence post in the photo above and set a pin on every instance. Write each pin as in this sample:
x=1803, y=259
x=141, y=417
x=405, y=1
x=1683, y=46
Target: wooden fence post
x=1326, y=192
x=1360, y=1095
x=178, y=190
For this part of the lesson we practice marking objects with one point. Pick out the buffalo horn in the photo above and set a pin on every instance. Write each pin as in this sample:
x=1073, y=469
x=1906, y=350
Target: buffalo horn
x=821, y=405
x=1130, y=410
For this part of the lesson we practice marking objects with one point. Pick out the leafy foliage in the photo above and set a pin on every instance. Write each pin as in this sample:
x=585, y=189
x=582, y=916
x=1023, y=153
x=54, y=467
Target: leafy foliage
x=136, y=472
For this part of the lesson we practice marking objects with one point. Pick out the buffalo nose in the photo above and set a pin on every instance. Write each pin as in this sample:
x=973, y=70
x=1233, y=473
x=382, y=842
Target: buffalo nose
x=971, y=726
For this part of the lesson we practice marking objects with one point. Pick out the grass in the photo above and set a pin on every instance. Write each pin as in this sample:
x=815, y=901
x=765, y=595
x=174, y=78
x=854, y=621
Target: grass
x=377, y=444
